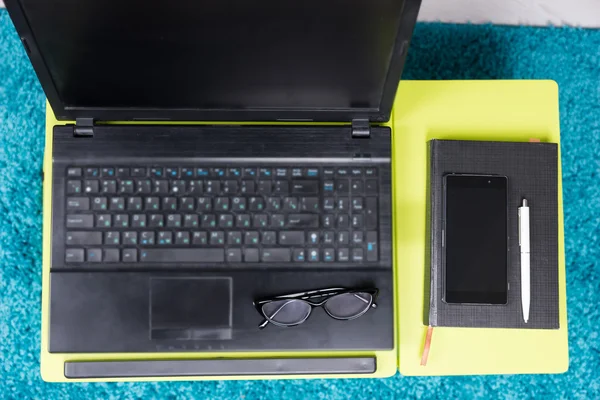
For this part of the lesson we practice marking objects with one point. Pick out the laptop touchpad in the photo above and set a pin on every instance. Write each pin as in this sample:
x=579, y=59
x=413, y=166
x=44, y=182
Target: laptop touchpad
x=191, y=308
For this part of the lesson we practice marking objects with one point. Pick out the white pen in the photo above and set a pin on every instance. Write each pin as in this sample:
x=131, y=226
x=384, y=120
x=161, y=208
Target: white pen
x=525, y=261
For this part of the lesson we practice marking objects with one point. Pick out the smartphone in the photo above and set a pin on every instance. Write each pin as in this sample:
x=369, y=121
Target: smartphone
x=475, y=239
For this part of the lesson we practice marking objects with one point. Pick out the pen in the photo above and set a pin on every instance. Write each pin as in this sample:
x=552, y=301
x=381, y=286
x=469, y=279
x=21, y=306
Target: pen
x=524, y=245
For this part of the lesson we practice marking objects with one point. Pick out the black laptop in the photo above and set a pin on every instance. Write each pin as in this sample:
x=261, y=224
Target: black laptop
x=224, y=182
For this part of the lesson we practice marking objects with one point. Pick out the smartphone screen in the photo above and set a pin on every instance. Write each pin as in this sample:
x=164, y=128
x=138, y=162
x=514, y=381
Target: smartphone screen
x=476, y=254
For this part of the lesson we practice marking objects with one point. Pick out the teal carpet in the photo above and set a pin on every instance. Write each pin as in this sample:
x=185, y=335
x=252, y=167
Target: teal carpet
x=569, y=56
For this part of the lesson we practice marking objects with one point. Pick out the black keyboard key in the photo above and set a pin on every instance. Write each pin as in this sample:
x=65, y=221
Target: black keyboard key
x=265, y=172
x=108, y=172
x=290, y=204
x=81, y=238
x=260, y=221
x=126, y=186
x=130, y=238
x=298, y=255
x=248, y=187
x=172, y=172
x=269, y=238
x=199, y=238
x=343, y=204
x=313, y=255
x=371, y=171
x=371, y=213
x=195, y=187
x=328, y=221
x=234, y=172
x=277, y=221
x=276, y=255
x=282, y=172
x=94, y=255
x=371, y=186
x=144, y=186
x=187, y=173
x=122, y=172
x=121, y=221
x=178, y=187
x=164, y=238
x=309, y=204
x=217, y=172
x=230, y=187
x=117, y=203
x=356, y=172
x=138, y=221
x=110, y=255
x=160, y=186
x=265, y=187
x=73, y=187
x=134, y=204
x=343, y=221
x=251, y=238
x=238, y=204
x=303, y=221
x=329, y=187
x=190, y=221
x=187, y=204
x=80, y=221
x=356, y=186
x=329, y=204
x=103, y=221
x=152, y=203
x=156, y=172
x=242, y=221
x=328, y=237
x=273, y=204
x=109, y=186
x=305, y=187
x=129, y=255
x=91, y=186
x=291, y=238
x=74, y=255
x=234, y=238
x=313, y=237
x=372, y=251
x=92, y=172
x=256, y=204
x=357, y=238
x=250, y=172
x=169, y=203
x=208, y=221
x=343, y=255
x=357, y=221
x=112, y=238
x=173, y=221
x=225, y=221
x=156, y=221
x=234, y=255
x=138, y=172
x=147, y=238
x=297, y=172
x=357, y=203
x=312, y=172
x=212, y=187
x=204, y=204
x=217, y=238
x=182, y=238
x=328, y=172
x=357, y=255
x=73, y=172
x=182, y=255
x=342, y=186
x=328, y=255
x=222, y=204
x=281, y=187
x=251, y=255
x=343, y=238
x=202, y=172
x=343, y=172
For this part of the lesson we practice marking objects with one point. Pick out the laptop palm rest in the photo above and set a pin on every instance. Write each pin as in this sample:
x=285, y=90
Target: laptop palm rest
x=221, y=367
x=191, y=308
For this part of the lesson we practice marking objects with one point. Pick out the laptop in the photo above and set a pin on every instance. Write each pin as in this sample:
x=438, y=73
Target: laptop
x=220, y=182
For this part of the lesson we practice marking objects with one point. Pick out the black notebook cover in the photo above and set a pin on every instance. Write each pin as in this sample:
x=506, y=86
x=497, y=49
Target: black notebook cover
x=532, y=171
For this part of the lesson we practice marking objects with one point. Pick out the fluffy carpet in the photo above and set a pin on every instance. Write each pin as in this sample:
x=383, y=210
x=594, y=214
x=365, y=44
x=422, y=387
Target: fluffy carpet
x=438, y=51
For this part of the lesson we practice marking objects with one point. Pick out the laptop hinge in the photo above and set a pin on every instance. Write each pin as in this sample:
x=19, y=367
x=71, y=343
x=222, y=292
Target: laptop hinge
x=84, y=127
x=361, y=128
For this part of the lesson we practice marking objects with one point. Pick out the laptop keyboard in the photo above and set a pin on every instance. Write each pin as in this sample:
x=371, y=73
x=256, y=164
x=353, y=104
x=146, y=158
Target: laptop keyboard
x=190, y=214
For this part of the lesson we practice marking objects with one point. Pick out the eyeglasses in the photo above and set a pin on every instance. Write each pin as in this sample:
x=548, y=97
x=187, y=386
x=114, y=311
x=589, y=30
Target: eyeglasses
x=294, y=309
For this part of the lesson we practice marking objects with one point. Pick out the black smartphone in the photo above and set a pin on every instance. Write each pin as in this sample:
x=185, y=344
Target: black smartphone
x=475, y=239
